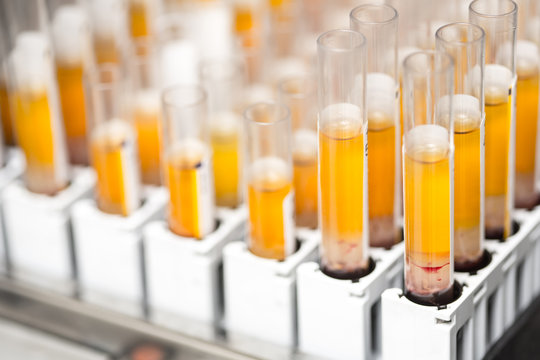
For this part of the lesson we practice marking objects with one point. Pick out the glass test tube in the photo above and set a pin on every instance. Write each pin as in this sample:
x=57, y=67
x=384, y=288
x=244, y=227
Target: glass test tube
x=498, y=19
x=465, y=44
x=34, y=99
x=379, y=24
x=270, y=193
x=108, y=24
x=342, y=131
x=427, y=177
x=224, y=84
x=145, y=108
x=5, y=110
x=299, y=95
x=188, y=162
x=72, y=52
x=527, y=68
x=113, y=143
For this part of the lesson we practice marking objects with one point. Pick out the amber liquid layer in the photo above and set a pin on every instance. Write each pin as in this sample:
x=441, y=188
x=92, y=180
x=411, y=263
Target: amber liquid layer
x=427, y=218
x=5, y=115
x=114, y=158
x=381, y=179
x=305, y=178
x=270, y=202
x=46, y=162
x=106, y=50
x=467, y=190
x=225, y=138
x=498, y=107
x=139, y=24
x=191, y=206
x=70, y=87
x=341, y=174
x=526, y=131
x=146, y=121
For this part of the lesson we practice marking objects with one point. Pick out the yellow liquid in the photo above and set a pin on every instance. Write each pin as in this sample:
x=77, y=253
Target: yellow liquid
x=113, y=158
x=70, y=87
x=526, y=129
x=267, y=192
x=226, y=146
x=5, y=115
x=498, y=120
x=381, y=179
x=467, y=190
x=46, y=167
x=139, y=23
x=183, y=168
x=341, y=152
x=147, y=126
x=427, y=210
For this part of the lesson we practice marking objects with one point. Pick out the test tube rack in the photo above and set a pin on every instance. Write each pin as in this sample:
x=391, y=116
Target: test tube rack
x=184, y=276
x=39, y=232
x=260, y=294
x=109, y=252
x=11, y=171
x=342, y=318
x=491, y=300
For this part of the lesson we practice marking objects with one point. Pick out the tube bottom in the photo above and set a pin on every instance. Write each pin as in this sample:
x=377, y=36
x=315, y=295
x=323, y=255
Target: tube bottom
x=472, y=266
x=383, y=232
x=349, y=275
x=440, y=298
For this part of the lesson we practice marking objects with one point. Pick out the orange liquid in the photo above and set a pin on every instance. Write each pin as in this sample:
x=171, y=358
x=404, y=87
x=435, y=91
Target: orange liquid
x=184, y=165
x=498, y=107
x=306, y=190
x=381, y=179
x=526, y=129
x=139, y=23
x=5, y=115
x=46, y=164
x=341, y=174
x=467, y=190
x=106, y=50
x=114, y=160
x=70, y=86
x=427, y=218
x=146, y=122
x=267, y=192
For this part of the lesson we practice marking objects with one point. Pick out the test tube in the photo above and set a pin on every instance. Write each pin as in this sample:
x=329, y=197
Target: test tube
x=34, y=99
x=5, y=111
x=145, y=108
x=224, y=84
x=72, y=52
x=379, y=25
x=299, y=95
x=427, y=177
x=284, y=17
x=270, y=193
x=109, y=30
x=527, y=68
x=141, y=14
x=498, y=20
x=465, y=44
x=113, y=143
x=342, y=131
x=188, y=162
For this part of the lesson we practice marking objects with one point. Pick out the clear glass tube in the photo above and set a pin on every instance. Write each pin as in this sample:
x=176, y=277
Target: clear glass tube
x=342, y=131
x=73, y=56
x=188, y=162
x=145, y=108
x=268, y=168
x=5, y=111
x=108, y=24
x=299, y=95
x=378, y=23
x=34, y=99
x=427, y=177
x=498, y=19
x=224, y=82
x=465, y=44
x=113, y=143
x=527, y=194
